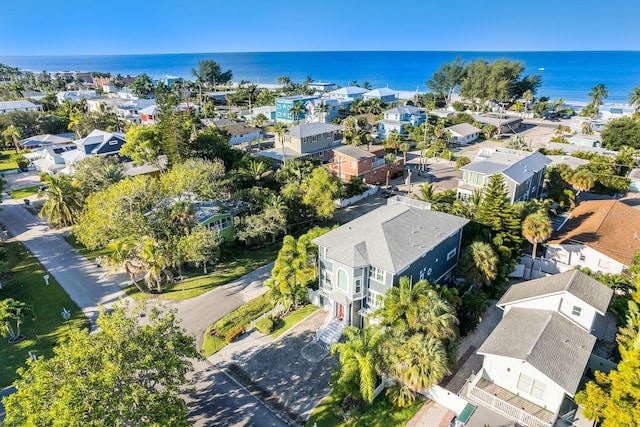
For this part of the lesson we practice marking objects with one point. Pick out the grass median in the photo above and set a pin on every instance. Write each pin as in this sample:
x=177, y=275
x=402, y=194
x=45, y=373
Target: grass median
x=25, y=283
x=23, y=193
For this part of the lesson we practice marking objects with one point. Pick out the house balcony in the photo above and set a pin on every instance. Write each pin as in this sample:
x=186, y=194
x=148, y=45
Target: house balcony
x=508, y=404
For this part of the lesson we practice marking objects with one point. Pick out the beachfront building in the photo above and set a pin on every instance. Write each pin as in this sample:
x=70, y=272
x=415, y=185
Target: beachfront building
x=322, y=86
x=307, y=141
x=396, y=118
x=384, y=94
x=284, y=105
x=504, y=123
x=361, y=260
x=463, y=133
x=536, y=357
x=349, y=93
x=11, y=106
x=349, y=162
x=523, y=173
x=602, y=235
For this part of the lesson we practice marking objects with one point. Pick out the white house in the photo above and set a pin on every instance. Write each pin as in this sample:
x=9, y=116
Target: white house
x=535, y=358
x=242, y=132
x=384, y=94
x=11, y=106
x=347, y=93
x=602, y=235
x=463, y=133
x=75, y=95
x=396, y=118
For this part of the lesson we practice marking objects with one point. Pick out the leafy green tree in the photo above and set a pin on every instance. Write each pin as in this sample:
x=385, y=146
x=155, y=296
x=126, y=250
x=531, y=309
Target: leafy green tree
x=200, y=246
x=358, y=357
x=536, y=228
x=94, y=173
x=119, y=211
x=621, y=132
x=320, y=191
x=195, y=179
x=125, y=374
x=613, y=399
x=210, y=72
x=144, y=145
x=446, y=78
x=12, y=314
x=262, y=227
x=142, y=86
x=63, y=200
x=211, y=144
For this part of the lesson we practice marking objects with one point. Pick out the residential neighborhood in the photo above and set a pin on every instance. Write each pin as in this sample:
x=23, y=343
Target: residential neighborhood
x=304, y=253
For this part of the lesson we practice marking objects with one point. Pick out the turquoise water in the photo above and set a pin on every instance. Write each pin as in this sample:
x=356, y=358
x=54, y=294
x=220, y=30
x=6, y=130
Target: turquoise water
x=567, y=75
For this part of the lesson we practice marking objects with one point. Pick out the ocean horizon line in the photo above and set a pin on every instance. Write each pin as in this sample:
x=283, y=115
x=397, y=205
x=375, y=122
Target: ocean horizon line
x=316, y=51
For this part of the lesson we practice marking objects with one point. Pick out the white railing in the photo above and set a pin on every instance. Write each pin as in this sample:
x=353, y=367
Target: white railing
x=275, y=311
x=506, y=408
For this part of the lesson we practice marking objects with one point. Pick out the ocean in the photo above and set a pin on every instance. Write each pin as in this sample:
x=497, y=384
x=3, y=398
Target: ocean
x=566, y=75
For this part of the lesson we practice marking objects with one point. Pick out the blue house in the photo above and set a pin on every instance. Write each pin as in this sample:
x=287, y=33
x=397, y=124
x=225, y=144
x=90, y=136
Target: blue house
x=364, y=258
x=396, y=118
x=284, y=104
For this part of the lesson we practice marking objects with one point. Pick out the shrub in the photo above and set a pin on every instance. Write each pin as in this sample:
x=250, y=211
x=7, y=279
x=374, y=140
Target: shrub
x=266, y=325
x=459, y=106
x=234, y=333
x=462, y=161
x=447, y=154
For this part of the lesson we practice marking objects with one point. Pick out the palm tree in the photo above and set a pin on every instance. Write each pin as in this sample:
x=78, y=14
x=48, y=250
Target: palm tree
x=75, y=120
x=260, y=120
x=151, y=252
x=291, y=271
x=528, y=97
x=63, y=200
x=479, y=263
x=123, y=254
x=13, y=133
x=598, y=93
x=297, y=109
x=634, y=98
x=393, y=140
x=582, y=179
x=12, y=312
x=390, y=161
x=420, y=362
x=280, y=128
x=256, y=170
x=322, y=110
x=427, y=192
x=536, y=228
x=358, y=361
x=404, y=147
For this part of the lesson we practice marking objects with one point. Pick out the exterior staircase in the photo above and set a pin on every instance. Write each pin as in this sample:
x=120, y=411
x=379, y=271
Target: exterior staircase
x=330, y=331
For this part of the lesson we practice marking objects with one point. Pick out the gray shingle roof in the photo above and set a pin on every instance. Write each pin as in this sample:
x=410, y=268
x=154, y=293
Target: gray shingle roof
x=404, y=109
x=9, y=105
x=390, y=237
x=484, y=167
x=353, y=152
x=309, y=129
x=548, y=341
x=574, y=282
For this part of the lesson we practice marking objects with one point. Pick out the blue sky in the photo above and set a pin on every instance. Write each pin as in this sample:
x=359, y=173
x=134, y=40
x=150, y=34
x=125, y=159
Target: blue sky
x=49, y=27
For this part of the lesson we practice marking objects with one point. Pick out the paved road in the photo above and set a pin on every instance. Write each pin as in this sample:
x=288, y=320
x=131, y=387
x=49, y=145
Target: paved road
x=200, y=312
x=220, y=401
x=79, y=278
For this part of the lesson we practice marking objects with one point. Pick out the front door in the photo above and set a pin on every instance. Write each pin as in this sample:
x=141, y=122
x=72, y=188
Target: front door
x=340, y=311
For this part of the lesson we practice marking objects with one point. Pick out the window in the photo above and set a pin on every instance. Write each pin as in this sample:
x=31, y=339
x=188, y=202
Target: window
x=327, y=279
x=358, y=285
x=531, y=386
x=376, y=274
x=375, y=300
x=582, y=257
x=352, y=165
x=576, y=311
x=451, y=253
x=314, y=138
x=221, y=224
x=342, y=279
x=113, y=142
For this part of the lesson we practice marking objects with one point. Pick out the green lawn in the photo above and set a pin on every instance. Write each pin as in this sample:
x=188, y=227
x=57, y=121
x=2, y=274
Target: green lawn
x=292, y=319
x=6, y=163
x=234, y=264
x=25, y=283
x=24, y=192
x=381, y=413
x=90, y=255
x=242, y=316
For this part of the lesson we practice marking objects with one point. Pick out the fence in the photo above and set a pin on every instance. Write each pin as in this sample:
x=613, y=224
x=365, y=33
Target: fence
x=341, y=203
x=505, y=408
x=275, y=311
